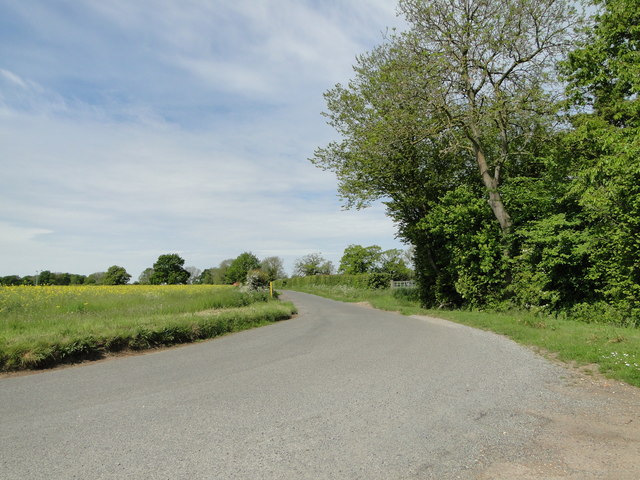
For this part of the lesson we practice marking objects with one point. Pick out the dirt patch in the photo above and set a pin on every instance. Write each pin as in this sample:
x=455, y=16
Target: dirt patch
x=597, y=438
x=364, y=304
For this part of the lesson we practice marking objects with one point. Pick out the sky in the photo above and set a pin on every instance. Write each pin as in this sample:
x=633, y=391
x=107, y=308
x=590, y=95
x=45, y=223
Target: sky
x=134, y=128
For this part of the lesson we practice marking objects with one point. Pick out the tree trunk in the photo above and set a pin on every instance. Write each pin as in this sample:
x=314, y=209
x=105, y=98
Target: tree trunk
x=504, y=219
x=491, y=183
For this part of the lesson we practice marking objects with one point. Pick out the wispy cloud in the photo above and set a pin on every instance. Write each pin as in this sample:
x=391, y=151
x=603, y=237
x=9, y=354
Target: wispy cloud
x=132, y=129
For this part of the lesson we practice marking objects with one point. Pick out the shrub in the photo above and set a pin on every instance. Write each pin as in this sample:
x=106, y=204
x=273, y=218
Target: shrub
x=257, y=279
x=378, y=280
x=411, y=294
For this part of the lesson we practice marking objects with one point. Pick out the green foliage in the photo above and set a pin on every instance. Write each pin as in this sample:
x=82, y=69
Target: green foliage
x=240, y=267
x=358, y=259
x=116, y=275
x=95, y=278
x=48, y=277
x=379, y=280
x=460, y=98
x=411, y=294
x=312, y=264
x=604, y=75
x=451, y=123
x=551, y=269
x=257, y=279
x=216, y=275
x=604, y=71
x=393, y=263
x=273, y=267
x=44, y=278
x=145, y=276
x=10, y=280
x=207, y=277
x=470, y=264
x=168, y=270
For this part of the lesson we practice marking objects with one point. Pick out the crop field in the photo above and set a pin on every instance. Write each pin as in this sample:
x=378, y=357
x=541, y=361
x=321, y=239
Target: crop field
x=44, y=326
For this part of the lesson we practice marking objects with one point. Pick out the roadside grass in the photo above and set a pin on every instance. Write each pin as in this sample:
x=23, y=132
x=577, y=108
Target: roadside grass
x=615, y=350
x=45, y=326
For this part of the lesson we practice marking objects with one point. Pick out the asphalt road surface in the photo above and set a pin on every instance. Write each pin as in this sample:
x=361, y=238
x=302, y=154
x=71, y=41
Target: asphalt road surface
x=339, y=392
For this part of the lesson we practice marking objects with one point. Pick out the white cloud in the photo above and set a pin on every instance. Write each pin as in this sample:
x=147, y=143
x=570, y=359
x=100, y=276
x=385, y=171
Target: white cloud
x=125, y=189
x=11, y=235
x=13, y=78
x=187, y=131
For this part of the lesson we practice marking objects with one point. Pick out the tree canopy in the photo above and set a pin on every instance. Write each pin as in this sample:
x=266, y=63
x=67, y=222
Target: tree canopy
x=116, y=275
x=312, y=264
x=238, y=269
x=273, y=268
x=169, y=270
x=466, y=87
x=603, y=75
x=357, y=259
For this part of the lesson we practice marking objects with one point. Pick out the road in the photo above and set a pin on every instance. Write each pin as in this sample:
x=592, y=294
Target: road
x=339, y=392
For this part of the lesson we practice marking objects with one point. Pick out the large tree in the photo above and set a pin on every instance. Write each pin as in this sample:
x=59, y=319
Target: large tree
x=243, y=263
x=393, y=263
x=273, y=268
x=467, y=84
x=358, y=259
x=439, y=120
x=168, y=269
x=312, y=264
x=145, y=276
x=116, y=275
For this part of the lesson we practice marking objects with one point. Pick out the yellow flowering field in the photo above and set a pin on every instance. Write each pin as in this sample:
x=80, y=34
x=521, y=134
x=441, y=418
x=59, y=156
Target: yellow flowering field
x=28, y=303
x=42, y=326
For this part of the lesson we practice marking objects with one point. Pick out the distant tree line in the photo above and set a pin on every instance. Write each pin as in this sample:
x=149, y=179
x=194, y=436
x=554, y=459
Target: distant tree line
x=168, y=269
x=115, y=275
x=246, y=268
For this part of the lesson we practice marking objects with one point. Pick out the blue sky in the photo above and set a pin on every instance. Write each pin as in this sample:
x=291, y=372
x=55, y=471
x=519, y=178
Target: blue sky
x=133, y=128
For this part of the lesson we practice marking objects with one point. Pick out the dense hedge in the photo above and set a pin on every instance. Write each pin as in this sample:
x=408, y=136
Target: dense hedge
x=364, y=280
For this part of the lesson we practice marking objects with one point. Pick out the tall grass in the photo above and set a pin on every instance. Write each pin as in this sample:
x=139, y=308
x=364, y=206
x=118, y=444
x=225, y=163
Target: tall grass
x=43, y=326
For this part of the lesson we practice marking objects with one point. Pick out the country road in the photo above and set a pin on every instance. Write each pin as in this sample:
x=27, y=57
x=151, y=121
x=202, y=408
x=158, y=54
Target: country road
x=339, y=392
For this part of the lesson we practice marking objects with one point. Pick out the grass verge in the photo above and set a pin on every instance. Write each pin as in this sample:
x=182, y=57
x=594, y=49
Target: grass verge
x=45, y=326
x=615, y=350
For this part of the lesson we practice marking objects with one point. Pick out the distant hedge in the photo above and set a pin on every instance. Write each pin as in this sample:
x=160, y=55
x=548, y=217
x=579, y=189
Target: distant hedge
x=364, y=280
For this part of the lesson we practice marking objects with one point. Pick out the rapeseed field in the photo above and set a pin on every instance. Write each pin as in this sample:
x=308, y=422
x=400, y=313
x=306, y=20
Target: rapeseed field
x=46, y=325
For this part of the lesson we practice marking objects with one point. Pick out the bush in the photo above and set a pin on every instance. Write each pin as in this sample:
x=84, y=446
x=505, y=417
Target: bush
x=257, y=280
x=411, y=294
x=604, y=313
x=379, y=280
